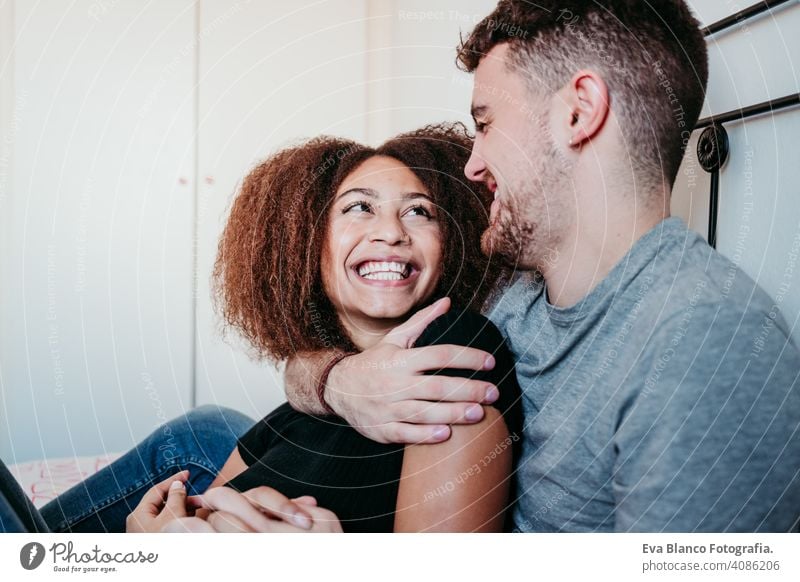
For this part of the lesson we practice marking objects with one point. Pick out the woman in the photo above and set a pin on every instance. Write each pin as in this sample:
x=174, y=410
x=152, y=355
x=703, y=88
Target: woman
x=333, y=244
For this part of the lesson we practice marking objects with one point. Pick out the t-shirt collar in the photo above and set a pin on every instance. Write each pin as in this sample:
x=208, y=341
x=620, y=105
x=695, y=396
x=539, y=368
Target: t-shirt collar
x=637, y=258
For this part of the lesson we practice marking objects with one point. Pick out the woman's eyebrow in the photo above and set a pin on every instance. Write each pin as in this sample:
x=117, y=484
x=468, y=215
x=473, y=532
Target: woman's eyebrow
x=373, y=194
x=363, y=191
x=413, y=195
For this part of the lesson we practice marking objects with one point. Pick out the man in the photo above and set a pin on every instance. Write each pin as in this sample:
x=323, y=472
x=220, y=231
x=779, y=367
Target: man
x=659, y=383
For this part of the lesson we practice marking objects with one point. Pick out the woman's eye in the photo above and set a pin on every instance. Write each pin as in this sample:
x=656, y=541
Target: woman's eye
x=357, y=207
x=480, y=127
x=419, y=211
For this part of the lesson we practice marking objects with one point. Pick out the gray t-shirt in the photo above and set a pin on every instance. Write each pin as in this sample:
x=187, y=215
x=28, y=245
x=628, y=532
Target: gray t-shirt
x=668, y=399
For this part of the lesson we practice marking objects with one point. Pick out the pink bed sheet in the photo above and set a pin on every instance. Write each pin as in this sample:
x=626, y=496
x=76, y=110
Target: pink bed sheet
x=45, y=480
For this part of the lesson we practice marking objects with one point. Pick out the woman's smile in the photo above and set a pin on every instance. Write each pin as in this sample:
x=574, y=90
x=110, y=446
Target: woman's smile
x=389, y=271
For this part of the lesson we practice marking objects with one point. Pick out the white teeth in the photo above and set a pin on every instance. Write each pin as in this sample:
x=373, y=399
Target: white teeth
x=383, y=271
x=383, y=276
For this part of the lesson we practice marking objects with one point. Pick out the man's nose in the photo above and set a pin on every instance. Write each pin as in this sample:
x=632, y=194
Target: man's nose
x=475, y=169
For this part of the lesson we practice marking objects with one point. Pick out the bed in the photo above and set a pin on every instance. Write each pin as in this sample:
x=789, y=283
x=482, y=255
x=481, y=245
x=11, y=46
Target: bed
x=45, y=480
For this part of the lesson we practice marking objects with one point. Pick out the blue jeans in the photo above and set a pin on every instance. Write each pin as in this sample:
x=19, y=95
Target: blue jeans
x=201, y=441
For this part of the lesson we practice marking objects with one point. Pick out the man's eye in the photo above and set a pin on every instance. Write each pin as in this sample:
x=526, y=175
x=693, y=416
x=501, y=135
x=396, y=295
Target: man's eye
x=480, y=127
x=357, y=207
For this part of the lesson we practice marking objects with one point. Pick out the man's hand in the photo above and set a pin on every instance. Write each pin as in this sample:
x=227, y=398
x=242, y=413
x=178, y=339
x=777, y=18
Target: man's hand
x=258, y=510
x=383, y=392
x=164, y=502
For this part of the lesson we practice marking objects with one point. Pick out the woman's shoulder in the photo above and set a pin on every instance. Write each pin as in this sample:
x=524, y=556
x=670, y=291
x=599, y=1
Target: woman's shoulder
x=287, y=424
x=276, y=421
x=461, y=327
x=468, y=328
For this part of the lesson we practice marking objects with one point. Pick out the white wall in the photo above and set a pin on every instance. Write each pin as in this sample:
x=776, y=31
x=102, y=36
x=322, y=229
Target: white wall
x=269, y=73
x=7, y=138
x=96, y=248
x=415, y=79
x=758, y=221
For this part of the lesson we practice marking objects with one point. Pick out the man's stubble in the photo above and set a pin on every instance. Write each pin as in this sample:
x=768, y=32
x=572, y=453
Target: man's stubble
x=536, y=213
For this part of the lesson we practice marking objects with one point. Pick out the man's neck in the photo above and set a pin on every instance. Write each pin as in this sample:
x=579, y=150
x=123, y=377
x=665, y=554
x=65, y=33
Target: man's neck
x=588, y=257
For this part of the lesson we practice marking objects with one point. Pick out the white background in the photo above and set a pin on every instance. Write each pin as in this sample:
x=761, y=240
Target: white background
x=364, y=557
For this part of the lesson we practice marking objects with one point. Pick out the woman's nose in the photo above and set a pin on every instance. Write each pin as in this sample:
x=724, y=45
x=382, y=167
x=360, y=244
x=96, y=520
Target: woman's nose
x=389, y=231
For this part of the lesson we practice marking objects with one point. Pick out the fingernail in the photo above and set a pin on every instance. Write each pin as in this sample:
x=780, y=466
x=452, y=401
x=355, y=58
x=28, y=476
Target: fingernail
x=473, y=413
x=441, y=432
x=175, y=485
x=492, y=394
x=301, y=520
x=488, y=363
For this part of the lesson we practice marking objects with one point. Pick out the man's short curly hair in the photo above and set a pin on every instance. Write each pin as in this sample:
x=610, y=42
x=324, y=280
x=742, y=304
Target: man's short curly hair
x=267, y=280
x=652, y=55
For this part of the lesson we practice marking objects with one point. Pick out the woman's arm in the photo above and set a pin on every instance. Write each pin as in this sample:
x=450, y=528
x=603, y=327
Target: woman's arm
x=459, y=485
x=232, y=467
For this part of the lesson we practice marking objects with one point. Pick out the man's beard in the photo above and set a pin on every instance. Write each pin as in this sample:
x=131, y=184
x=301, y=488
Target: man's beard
x=527, y=231
x=534, y=215
x=506, y=237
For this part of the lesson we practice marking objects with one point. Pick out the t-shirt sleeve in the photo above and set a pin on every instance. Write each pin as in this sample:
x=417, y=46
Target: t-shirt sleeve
x=253, y=444
x=710, y=440
x=466, y=328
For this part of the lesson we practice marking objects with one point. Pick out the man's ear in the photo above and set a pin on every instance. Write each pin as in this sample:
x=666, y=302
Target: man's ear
x=588, y=106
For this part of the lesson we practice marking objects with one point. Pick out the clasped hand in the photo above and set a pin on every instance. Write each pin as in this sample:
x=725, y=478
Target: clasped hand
x=166, y=507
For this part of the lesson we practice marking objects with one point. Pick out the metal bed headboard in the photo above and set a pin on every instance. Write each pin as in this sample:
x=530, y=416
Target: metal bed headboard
x=712, y=146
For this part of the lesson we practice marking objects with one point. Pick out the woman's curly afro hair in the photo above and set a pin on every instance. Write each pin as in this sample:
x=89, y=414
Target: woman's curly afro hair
x=267, y=282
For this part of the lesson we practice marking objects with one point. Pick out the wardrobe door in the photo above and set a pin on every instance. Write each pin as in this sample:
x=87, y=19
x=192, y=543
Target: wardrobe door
x=269, y=73
x=96, y=256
